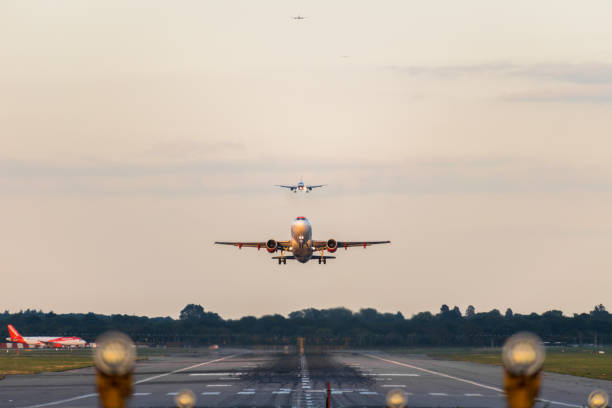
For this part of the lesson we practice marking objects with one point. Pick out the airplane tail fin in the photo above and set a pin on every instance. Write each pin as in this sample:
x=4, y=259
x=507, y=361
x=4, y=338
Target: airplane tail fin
x=15, y=336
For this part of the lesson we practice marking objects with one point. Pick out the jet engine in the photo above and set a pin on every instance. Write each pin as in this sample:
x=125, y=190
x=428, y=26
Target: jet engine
x=271, y=246
x=332, y=245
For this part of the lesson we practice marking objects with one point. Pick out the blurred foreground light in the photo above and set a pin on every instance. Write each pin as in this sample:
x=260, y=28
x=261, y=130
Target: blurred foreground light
x=396, y=399
x=523, y=354
x=115, y=353
x=598, y=399
x=185, y=399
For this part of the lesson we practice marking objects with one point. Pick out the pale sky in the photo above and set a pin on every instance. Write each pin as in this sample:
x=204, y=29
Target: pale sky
x=475, y=135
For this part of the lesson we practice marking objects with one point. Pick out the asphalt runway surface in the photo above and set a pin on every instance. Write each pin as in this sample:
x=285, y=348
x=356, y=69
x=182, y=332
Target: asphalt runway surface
x=247, y=378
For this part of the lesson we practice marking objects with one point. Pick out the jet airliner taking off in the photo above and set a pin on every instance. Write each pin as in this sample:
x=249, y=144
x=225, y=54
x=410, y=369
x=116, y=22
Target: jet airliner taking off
x=301, y=244
x=56, y=341
x=301, y=187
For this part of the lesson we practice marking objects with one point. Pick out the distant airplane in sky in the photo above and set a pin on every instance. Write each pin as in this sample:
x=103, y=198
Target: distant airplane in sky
x=298, y=17
x=301, y=244
x=56, y=341
x=301, y=187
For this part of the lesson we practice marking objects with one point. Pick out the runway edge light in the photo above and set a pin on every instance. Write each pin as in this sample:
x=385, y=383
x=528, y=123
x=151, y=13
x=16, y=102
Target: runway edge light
x=523, y=355
x=396, y=399
x=114, y=359
x=598, y=399
x=185, y=399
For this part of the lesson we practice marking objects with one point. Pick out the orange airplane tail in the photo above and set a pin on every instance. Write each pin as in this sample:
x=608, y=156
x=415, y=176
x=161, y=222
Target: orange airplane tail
x=15, y=336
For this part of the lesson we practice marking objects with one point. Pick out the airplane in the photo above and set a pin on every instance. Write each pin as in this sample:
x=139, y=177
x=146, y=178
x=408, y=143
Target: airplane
x=301, y=244
x=301, y=187
x=298, y=17
x=56, y=341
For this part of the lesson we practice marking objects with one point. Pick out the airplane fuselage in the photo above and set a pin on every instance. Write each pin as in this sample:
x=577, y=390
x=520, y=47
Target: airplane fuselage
x=301, y=239
x=55, y=341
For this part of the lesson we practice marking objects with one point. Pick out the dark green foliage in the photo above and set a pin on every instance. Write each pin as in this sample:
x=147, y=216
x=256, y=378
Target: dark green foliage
x=336, y=326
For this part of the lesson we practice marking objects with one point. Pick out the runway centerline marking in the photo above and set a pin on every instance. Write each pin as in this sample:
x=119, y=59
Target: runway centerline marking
x=438, y=394
x=472, y=395
x=477, y=384
x=79, y=397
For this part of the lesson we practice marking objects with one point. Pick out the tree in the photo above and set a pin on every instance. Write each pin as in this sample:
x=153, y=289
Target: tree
x=599, y=310
x=444, y=309
x=192, y=312
x=470, y=311
x=509, y=313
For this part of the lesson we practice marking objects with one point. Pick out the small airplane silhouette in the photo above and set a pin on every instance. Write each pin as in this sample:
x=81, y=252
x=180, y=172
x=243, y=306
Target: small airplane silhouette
x=298, y=17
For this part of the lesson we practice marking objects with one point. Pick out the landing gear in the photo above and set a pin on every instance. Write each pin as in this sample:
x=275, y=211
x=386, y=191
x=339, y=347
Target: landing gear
x=322, y=260
x=282, y=261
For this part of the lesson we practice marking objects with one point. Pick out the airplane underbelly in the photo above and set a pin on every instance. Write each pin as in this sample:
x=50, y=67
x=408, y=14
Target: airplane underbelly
x=302, y=254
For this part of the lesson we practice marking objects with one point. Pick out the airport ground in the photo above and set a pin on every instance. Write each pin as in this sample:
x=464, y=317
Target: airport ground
x=240, y=378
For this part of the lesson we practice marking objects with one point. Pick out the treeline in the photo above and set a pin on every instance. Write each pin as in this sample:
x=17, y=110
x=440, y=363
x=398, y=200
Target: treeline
x=334, y=327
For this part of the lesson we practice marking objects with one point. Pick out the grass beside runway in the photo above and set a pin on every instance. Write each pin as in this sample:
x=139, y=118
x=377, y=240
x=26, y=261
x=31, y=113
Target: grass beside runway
x=36, y=361
x=578, y=361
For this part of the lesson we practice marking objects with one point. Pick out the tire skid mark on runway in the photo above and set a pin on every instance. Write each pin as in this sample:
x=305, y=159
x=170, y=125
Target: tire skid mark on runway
x=79, y=397
x=477, y=384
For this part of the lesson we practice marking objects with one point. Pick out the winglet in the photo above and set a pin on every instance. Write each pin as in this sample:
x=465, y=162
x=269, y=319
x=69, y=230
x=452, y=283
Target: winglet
x=15, y=336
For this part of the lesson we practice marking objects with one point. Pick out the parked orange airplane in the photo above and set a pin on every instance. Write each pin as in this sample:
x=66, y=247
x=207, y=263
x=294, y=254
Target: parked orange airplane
x=58, y=342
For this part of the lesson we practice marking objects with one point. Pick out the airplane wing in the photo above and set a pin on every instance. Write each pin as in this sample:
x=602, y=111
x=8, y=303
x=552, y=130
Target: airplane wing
x=289, y=187
x=258, y=245
x=318, y=245
x=317, y=186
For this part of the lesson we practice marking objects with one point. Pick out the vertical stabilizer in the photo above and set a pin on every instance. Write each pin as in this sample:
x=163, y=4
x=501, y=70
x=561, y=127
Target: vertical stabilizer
x=15, y=336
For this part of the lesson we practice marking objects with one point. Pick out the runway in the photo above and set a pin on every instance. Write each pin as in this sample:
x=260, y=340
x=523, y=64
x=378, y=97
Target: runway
x=241, y=378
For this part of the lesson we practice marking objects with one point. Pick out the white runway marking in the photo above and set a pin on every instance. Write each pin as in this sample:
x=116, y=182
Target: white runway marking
x=48, y=404
x=182, y=369
x=477, y=384
x=219, y=385
x=172, y=393
x=473, y=395
x=281, y=392
x=394, y=385
x=368, y=392
x=211, y=393
x=215, y=374
x=397, y=375
x=438, y=394
x=245, y=392
x=141, y=394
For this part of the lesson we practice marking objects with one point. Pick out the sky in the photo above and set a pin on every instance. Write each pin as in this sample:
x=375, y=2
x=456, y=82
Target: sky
x=474, y=135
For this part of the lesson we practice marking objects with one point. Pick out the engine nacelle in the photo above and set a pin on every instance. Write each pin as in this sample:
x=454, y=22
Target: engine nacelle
x=271, y=246
x=332, y=245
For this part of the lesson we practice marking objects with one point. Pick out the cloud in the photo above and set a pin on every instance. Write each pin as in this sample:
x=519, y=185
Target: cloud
x=598, y=95
x=584, y=73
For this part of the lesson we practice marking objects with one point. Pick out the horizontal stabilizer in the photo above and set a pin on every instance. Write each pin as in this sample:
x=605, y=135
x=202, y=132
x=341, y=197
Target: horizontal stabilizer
x=284, y=257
